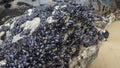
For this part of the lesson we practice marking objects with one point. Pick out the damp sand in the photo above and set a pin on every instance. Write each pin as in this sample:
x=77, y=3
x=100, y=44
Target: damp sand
x=109, y=54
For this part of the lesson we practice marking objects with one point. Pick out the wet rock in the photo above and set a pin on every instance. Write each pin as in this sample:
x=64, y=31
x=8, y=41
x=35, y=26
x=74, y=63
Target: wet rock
x=64, y=36
x=98, y=6
x=118, y=3
x=12, y=8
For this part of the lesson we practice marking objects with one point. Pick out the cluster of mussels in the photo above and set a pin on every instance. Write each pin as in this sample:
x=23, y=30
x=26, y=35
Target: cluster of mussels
x=63, y=29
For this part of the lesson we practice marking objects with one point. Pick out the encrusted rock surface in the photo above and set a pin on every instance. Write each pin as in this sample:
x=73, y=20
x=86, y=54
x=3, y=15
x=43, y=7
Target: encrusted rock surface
x=62, y=35
x=12, y=8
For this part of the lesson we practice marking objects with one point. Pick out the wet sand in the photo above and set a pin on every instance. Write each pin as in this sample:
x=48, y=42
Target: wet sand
x=109, y=54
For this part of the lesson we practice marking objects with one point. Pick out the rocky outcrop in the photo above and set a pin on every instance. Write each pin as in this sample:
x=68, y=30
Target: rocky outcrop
x=61, y=35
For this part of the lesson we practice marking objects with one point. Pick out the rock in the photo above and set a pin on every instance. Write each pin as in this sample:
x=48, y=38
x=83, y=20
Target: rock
x=117, y=14
x=104, y=7
x=118, y=3
x=12, y=8
x=86, y=56
x=61, y=35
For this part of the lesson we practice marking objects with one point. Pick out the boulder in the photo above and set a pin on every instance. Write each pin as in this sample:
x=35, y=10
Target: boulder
x=61, y=35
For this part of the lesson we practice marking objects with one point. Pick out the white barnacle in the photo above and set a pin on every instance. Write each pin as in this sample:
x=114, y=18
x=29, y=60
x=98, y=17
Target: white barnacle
x=53, y=12
x=29, y=12
x=57, y=7
x=3, y=62
x=50, y=19
x=7, y=24
x=63, y=6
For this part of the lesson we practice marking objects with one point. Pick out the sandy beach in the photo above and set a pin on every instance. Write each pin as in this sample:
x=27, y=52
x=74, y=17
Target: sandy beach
x=109, y=54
